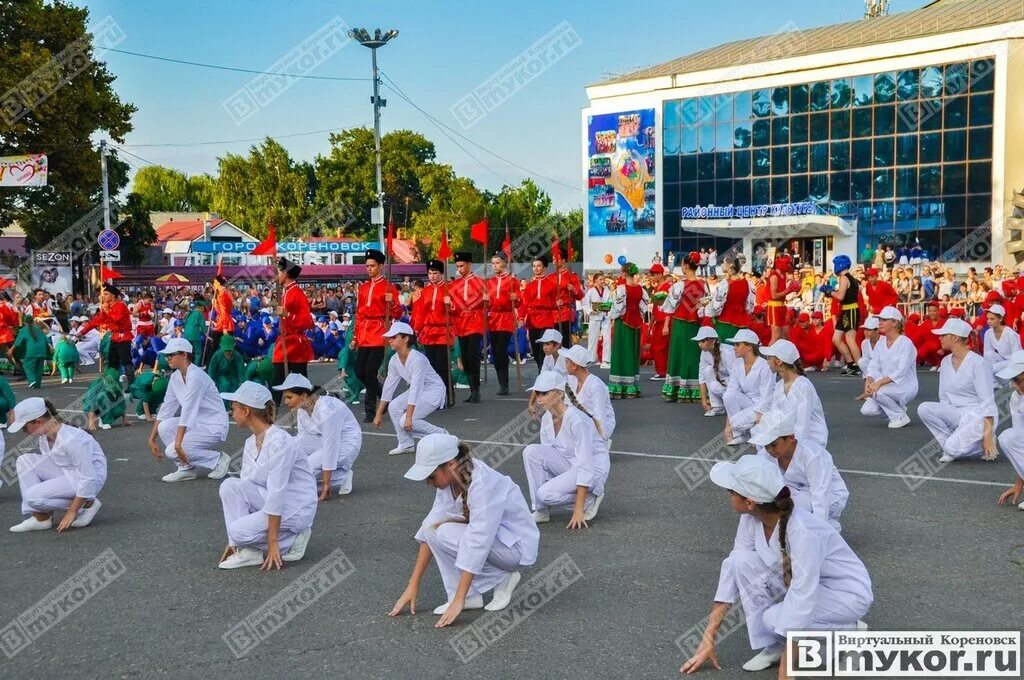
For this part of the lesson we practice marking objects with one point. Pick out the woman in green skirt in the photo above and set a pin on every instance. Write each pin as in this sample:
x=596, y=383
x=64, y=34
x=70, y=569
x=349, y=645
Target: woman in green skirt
x=631, y=303
x=685, y=298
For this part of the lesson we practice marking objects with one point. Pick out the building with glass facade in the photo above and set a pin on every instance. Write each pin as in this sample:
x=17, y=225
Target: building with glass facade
x=897, y=134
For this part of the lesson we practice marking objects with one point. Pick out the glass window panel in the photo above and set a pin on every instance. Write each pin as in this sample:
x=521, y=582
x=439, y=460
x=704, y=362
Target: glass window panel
x=820, y=96
x=907, y=85
x=723, y=137
x=885, y=120
x=863, y=90
x=956, y=211
x=723, y=108
x=862, y=122
x=840, y=124
x=798, y=188
x=885, y=88
x=780, y=101
x=819, y=158
x=930, y=180
x=707, y=111
x=742, y=135
x=706, y=166
x=907, y=117
x=979, y=178
x=762, y=132
x=799, y=99
x=954, y=145
x=762, y=162
x=840, y=156
x=951, y=240
x=981, y=109
x=688, y=194
x=670, y=170
x=861, y=155
x=860, y=185
x=707, y=137
x=979, y=210
x=688, y=168
x=954, y=178
x=780, y=160
x=671, y=143
x=671, y=198
x=882, y=183
x=762, y=103
x=723, y=165
x=762, y=192
x=906, y=182
x=906, y=210
x=932, y=82
x=906, y=150
x=955, y=112
x=741, y=193
x=741, y=164
x=688, y=142
x=981, y=143
x=839, y=186
x=705, y=192
x=956, y=76
x=842, y=92
x=819, y=187
x=929, y=118
x=670, y=115
x=723, y=193
x=798, y=158
x=885, y=152
x=689, y=112
x=798, y=129
x=780, y=131
x=742, y=106
x=819, y=127
x=982, y=72
x=780, y=190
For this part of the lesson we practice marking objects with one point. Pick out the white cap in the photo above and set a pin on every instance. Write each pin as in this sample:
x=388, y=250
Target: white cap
x=266, y=310
x=772, y=425
x=175, y=345
x=890, y=313
x=550, y=335
x=167, y=310
x=548, y=380
x=399, y=327
x=997, y=309
x=249, y=393
x=870, y=324
x=433, y=450
x=957, y=327
x=755, y=477
x=577, y=354
x=295, y=380
x=744, y=335
x=332, y=312
x=784, y=350
x=27, y=410
x=1013, y=367
x=706, y=333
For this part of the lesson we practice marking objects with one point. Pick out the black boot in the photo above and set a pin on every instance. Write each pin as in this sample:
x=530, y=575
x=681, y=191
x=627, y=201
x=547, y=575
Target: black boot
x=503, y=391
x=473, y=398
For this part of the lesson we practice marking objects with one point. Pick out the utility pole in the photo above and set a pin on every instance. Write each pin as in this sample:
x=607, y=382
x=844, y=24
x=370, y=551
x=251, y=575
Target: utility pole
x=106, y=192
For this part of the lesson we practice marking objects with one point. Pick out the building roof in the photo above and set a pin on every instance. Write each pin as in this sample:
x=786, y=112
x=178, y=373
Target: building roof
x=941, y=16
x=183, y=230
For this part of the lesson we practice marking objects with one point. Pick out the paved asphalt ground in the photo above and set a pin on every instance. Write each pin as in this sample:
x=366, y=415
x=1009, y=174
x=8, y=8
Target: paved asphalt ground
x=613, y=605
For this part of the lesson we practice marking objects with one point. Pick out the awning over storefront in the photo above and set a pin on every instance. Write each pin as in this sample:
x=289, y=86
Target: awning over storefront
x=774, y=227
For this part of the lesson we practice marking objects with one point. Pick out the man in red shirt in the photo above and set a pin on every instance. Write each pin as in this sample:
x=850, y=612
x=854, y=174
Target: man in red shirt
x=114, y=315
x=880, y=294
x=10, y=321
x=659, y=337
x=569, y=290
x=224, y=322
x=433, y=323
x=502, y=315
x=292, y=344
x=540, y=303
x=468, y=295
x=377, y=306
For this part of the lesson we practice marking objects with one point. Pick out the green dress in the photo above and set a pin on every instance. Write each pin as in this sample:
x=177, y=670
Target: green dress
x=631, y=302
x=31, y=349
x=66, y=356
x=7, y=399
x=195, y=331
x=261, y=369
x=347, y=362
x=227, y=372
x=149, y=387
x=105, y=348
x=105, y=398
x=459, y=376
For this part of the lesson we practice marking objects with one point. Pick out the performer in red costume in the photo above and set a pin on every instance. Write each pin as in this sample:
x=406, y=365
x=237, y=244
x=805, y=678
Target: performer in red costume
x=778, y=289
x=880, y=294
x=814, y=345
x=502, y=315
x=540, y=303
x=659, y=331
x=114, y=315
x=758, y=325
x=433, y=330
x=292, y=346
x=224, y=323
x=468, y=295
x=377, y=306
x=144, y=313
x=10, y=321
x=569, y=290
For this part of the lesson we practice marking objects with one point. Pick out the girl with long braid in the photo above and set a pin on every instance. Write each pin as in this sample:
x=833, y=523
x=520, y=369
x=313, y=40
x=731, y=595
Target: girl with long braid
x=479, y=530
x=586, y=391
x=715, y=362
x=789, y=568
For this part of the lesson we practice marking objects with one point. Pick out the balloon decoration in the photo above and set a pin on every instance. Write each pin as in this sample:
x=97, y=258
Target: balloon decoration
x=608, y=258
x=622, y=259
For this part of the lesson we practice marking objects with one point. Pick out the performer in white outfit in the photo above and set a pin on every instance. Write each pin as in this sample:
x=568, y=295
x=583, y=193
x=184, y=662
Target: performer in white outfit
x=426, y=393
x=570, y=465
x=751, y=383
x=794, y=393
x=269, y=509
x=88, y=345
x=191, y=422
x=326, y=430
x=867, y=345
x=964, y=418
x=789, y=568
x=586, y=391
x=810, y=473
x=715, y=362
x=479, y=530
x=65, y=476
x=1000, y=341
x=599, y=326
x=551, y=344
x=1011, y=440
x=890, y=379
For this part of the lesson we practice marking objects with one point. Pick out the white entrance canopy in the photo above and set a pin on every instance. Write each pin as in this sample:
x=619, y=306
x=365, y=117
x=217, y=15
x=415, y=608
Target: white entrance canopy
x=774, y=228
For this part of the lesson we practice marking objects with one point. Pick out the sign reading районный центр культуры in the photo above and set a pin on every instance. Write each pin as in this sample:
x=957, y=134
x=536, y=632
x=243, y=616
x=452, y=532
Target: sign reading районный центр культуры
x=713, y=212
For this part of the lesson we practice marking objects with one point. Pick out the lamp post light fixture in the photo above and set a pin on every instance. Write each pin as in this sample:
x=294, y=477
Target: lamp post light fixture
x=377, y=40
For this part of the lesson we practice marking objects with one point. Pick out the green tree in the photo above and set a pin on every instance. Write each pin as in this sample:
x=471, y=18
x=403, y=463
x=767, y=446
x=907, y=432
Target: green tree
x=526, y=210
x=135, y=229
x=200, y=193
x=32, y=32
x=162, y=189
x=454, y=203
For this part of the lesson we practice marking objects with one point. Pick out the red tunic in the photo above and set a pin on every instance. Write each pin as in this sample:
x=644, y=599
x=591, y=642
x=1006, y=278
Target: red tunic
x=539, y=301
x=373, y=318
x=225, y=323
x=632, y=316
x=734, y=311
x=144, y=310
x=659, y=340
x=8, y=322
x=569, y=291
x=467, y=295
x=296, y=320
x=428, y=318
x=41, y=311
x=502, y=309
x=693, y=291
x=778, y=313
x=880, y=295
x=116, y=318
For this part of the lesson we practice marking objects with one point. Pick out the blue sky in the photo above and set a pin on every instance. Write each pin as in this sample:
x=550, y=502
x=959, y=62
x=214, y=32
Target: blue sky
x=444, y=50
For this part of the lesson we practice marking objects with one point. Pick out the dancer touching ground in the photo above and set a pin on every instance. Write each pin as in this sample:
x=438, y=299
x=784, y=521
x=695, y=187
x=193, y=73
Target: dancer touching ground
x=751, y=384
x=479, y=530
x=794, y=393
x=1011, y=440
x=716, y=360
x=891, y=377
x=269, y=509
x=789, y=568
x=1000, y=341
x=326, y=430
x=585, y=390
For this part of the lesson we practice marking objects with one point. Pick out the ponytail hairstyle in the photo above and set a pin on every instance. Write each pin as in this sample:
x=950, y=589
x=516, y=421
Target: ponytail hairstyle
x=575, y=402
x=267, y=414
x=310, y=395
x=783, y=504
x=52, y=410
x=716, y=357
x=796, y=366
x=465, y=462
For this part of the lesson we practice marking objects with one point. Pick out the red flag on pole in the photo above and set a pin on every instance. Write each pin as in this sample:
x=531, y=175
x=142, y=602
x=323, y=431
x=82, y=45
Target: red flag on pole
x=506, y=245
x=108, y=274
x=443, y=251
x=267, y=246
x=556, y=249
x=478, y=232
x=570, y=255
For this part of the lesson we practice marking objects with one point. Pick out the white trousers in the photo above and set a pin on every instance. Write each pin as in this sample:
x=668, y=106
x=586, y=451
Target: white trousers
x=444, y=545
x=551, y=477
x=958, y=433
x=740, y=410
x=420, y=427
x=199, y=445
x=1011, y=442
x=716, y=390
x=761, y=591
x=246, y=522
x=44, y=486
x=348, y=452
x=599, y=328
x=802, y=499
x=890, y=401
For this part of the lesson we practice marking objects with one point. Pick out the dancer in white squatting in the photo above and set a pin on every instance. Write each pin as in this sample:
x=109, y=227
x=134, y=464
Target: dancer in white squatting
x=1011, y=440
x=890, y=380
x=570, y=466
x=1000, y=341
x=794, y=393
x=326, y=430
x=65, y=476
x=551, y=345
x=789, y=568
x=269, y=509
x=586, y=391
x=964, y=418
x=810, y=472
x=751, y=383
x=192, y=421
x=426, y=393
x=599, y=326
x=716, y=360
x=479, y=530
x=867, y=345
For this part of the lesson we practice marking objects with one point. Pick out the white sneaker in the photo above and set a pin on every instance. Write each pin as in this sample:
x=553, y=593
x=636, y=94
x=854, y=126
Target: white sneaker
x=541, y=516
x=476, y=602
x=503, y=592
x=346, y=486
x=605, y=365
x=902, y=421
x=657, y=377
x=591, y=512
x=104, y=426
x=933, y=369
x=32, y=524
x=398, y=451
x=63, y=381
x=765, y=659
x=714, y=412
x=243, y=557
x=85, y=515
x=737, y=441
x=221, y=468
x=298, y=548
x=180, y=476
x=810, y=369
x=1021, y=506
x=946, y=459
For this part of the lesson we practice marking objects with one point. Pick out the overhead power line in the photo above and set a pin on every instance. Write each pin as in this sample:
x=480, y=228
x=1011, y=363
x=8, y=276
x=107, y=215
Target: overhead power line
x=238, y=141
x=234, y=68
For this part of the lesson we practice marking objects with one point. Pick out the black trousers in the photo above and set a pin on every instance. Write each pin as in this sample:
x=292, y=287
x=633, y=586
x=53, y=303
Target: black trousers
x=280, y=375
x=499, y=347
x=212, y=344
x=437, y=355
x=535, y=349
x=565, y=328
x=121, y=357
x=368, y=360
x=469, y=350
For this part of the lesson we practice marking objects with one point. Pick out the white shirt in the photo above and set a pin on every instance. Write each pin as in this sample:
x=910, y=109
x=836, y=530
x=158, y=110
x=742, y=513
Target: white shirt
x=813, y=472
x=727, y=356
x=79, y=457
x=721, y=293
x=1016, y=410
x=620, y=302
x=423, y=380
x=555, y=363
x=579, y=441
x=594, y=295
x=968, y=388
x=897, y=362
x=281, y=469
x=331, y=423
x=758, y=384
x=803, y=402
x=867, y=350
x=998, y=351
x=198, y=402
x=593, y=395
x=497, y=512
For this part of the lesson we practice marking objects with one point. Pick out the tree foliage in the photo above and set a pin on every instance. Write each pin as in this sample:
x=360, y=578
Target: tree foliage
x=136, y=229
